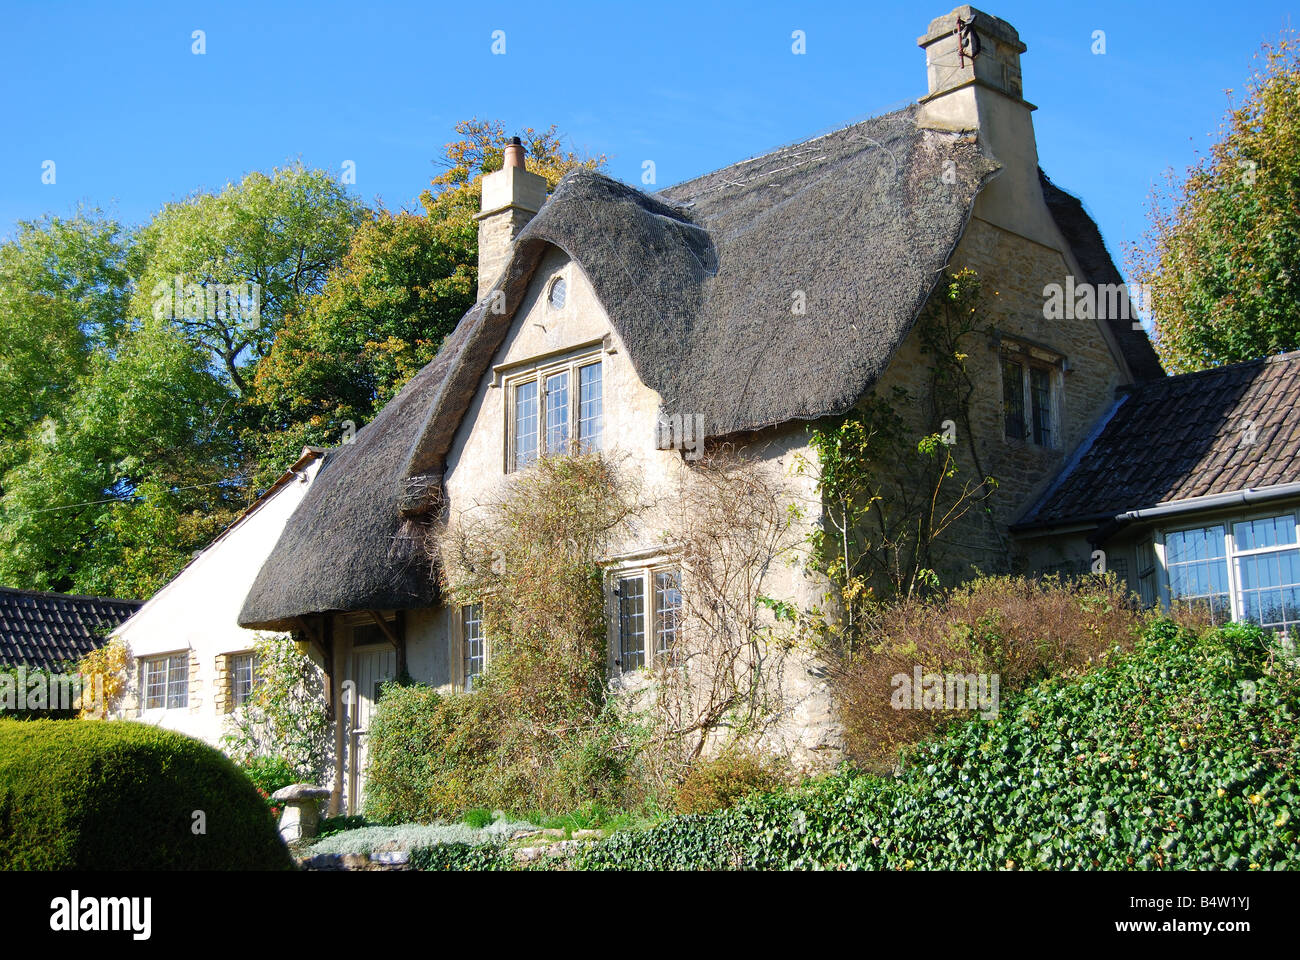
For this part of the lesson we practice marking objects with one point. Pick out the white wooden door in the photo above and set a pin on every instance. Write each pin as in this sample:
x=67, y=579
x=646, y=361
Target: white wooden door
x=370, y=668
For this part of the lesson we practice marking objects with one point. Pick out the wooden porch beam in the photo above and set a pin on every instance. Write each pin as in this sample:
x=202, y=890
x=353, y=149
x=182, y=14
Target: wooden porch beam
x=396, y=637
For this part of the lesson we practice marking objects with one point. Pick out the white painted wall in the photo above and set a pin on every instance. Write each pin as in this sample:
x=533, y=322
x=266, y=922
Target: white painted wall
x=199, y=609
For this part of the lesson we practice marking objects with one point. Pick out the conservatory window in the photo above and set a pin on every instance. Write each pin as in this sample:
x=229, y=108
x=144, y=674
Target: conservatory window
x=1197, y=561
x=1268, y=571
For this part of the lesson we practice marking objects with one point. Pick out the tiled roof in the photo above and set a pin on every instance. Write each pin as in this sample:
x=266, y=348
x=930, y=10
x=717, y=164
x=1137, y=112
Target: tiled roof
x=49, y=629
x=1215, y=431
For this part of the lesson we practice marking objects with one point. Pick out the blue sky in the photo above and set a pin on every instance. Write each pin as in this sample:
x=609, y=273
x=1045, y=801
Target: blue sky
x=132, y=118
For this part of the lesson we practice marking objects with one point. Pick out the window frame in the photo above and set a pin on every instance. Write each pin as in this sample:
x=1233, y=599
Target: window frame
x=465, y=679
x=539, y=374
x=1232, y=555
x=1031, y=358
x=647, y=574
x=232, y=661
x=182, y=682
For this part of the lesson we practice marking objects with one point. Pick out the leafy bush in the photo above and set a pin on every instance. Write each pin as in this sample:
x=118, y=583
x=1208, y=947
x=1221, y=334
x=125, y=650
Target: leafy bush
x=332, y=825
x=429, y=755
x=720, y=782
x=270, y=774
x=1180, y=755
x=462, y=856
x=478, y=818
x=104, y=671
x=285, y=715
x=118, y=795
x=1023, y=630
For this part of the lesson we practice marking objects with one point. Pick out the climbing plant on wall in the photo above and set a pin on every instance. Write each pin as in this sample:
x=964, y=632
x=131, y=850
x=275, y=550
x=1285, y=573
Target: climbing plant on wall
x=888, y=494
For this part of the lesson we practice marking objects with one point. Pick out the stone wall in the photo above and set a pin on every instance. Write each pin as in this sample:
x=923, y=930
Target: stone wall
x=1013, y=271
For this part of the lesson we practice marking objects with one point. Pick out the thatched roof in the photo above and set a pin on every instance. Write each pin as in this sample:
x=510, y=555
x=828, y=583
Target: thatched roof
x=700, y=281
x=1081, y=232
x=346, y=546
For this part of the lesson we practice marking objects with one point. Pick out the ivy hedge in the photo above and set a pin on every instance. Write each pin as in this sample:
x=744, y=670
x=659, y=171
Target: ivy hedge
x=1180, y=755
x=117, y=795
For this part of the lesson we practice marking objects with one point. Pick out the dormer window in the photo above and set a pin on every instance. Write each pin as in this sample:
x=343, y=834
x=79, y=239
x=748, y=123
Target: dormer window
x=1031, y=394
x=551, y=407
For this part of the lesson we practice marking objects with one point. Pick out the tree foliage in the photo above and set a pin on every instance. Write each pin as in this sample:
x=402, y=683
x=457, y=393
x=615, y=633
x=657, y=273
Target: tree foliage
x=156, y=379
x=285, y=233
x=1221, y=260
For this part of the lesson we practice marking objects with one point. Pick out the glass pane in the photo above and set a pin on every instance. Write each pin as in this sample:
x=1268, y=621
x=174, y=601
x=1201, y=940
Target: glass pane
x=1013, y=398
x=1270, y=585
x=1198, y=568
x=1040, y=393
x=668, y=608
x=1199, y=544
x=525, y=424
x=155, y=684
x=1268, y=532
x=471, y=620
x=631, y=623
x=241, y=675
x=178, y=681
x=589, y=407
x=557, y=413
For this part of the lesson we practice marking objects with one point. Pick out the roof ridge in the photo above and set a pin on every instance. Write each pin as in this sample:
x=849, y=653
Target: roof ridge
x=1211, y=371
x=790, y=145
x=66, y=596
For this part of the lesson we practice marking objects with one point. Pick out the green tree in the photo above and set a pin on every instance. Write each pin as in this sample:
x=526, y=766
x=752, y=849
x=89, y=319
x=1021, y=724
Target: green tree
x=284, y=232
x=1221, y=260
x=113, y=493
x=63, y=291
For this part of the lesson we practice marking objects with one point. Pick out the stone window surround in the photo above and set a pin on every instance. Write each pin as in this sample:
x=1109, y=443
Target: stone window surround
x=1032, y=355
x=644, y=566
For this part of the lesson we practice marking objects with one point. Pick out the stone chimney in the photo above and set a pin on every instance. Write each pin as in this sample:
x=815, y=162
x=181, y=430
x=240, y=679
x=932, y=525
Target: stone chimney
x=511, y=196
x=973, y=63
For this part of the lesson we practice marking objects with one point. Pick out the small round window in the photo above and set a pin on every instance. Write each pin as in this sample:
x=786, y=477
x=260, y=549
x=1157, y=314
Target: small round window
x=556, y=296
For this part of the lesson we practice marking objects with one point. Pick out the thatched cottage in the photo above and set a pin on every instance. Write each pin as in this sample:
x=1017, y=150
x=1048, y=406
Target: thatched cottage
x=606, y=311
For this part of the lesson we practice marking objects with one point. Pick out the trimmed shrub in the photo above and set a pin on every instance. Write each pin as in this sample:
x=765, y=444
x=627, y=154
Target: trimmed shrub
x=118, y=795
x=1022, y=630
x=430, y=756
x=1184, y=754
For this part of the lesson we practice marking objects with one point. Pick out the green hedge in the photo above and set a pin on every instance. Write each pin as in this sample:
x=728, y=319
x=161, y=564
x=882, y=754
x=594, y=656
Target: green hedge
x=429, y=756
x=1182, y=755
x=116, y=795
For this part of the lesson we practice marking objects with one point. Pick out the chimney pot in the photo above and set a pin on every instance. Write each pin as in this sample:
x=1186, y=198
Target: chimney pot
x=515, y=153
